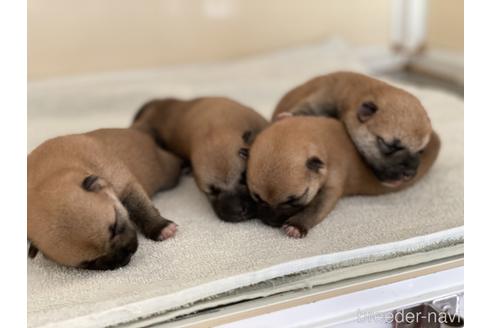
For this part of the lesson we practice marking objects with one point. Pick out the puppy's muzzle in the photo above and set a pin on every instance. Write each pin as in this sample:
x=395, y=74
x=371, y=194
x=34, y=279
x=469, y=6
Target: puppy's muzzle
x=400, y=169
x=234, y=206
x=122, y=249
x=275, y=217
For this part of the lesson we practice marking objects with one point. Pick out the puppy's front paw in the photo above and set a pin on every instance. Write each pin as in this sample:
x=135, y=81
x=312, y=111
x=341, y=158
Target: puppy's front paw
x=294, y=231
x=165, y=229
x=168, y=231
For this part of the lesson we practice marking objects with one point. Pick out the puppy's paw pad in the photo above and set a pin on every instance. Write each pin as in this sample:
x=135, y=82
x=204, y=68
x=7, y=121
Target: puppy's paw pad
x=168, y=231
x=293, y=231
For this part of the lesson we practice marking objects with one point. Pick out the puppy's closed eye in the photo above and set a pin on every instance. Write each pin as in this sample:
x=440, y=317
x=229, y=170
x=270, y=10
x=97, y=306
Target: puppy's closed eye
x=93, y=183
x=116, y=228
x=389, y=148
x=366, y=111
x=257, y=198
x=294, y=200
x=113, y=230
x=314, y=164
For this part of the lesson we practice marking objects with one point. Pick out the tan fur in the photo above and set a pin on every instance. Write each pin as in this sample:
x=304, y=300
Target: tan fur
x=70, y=224
x=400, y=115
x=206, y=131
x=277, y=168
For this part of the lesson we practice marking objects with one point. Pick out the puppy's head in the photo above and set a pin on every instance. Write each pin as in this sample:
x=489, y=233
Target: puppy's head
x=390, y=128
x=75, y=219
x=285, y=171
x=219, y=167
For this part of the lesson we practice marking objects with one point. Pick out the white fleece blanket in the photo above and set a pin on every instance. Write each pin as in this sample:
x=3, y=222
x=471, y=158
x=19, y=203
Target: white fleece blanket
x=208, y=257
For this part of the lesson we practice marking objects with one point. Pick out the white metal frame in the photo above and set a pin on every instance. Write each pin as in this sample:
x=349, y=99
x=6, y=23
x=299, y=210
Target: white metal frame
x=365, y=308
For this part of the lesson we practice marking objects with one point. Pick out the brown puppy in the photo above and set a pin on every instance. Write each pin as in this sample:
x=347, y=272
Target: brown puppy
x=84, y=189
x=300, y=166
x=388, y=125
x=214, y=134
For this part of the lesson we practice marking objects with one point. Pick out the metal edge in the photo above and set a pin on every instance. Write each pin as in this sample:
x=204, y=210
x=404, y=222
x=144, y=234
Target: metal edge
x=230, y=313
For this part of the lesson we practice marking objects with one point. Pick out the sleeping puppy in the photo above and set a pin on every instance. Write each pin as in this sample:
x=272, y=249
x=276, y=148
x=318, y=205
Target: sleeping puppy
x=388, y=125
x=214, y=135
x=85, y=190
x=300, y=166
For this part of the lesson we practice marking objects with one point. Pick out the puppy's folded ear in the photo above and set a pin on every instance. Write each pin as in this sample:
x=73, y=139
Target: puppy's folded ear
x=314, y=164
x=32, y=252
x=93, y=183
x=366, y=110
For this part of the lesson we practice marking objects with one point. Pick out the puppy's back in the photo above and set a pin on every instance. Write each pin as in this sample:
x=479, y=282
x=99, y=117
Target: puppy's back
x=177, y=124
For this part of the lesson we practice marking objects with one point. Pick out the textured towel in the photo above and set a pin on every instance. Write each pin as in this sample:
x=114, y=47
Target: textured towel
x=205, y=249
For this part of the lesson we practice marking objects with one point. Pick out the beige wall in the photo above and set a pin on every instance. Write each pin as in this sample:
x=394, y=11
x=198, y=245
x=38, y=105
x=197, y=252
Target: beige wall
x=446, y=24
x=67, y=37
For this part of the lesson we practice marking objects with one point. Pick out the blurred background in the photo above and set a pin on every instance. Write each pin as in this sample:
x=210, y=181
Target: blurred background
x=420, y=41
x=93, y=63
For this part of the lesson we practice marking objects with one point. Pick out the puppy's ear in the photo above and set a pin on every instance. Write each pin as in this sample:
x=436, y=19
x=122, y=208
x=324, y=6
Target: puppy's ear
x=314, y=164
x=282, y=116
x=33, y=251
x=366, y=110
x=93, y=183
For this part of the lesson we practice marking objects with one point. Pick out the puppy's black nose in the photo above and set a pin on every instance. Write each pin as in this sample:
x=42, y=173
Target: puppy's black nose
x=243, y=210
x=117, y=258
x=411, y=162
x=410, y=166
x=234, y=206
x=270, y=217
